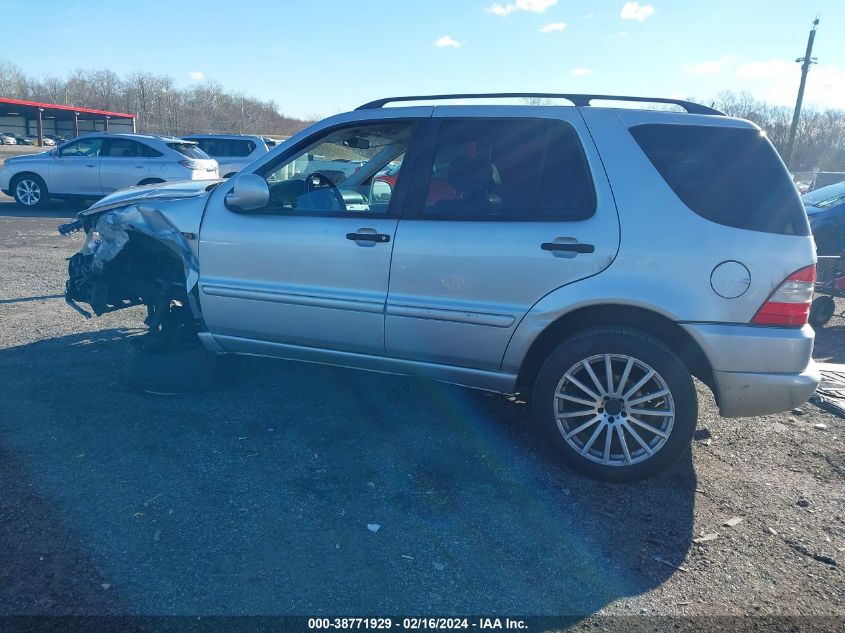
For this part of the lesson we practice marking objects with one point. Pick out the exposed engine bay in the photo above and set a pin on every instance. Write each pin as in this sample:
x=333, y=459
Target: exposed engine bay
x=134, y=255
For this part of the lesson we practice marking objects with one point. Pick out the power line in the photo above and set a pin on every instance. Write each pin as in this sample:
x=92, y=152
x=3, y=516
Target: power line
x=806, y=62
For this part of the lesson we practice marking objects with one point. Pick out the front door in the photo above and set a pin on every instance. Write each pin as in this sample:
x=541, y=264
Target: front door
x=311, y=270
x=504, y=210
x=75, y=168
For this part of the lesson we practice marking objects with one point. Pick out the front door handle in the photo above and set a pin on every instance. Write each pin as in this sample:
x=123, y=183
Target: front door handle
x=90, y=164
x=362, y=236
x=569, y=247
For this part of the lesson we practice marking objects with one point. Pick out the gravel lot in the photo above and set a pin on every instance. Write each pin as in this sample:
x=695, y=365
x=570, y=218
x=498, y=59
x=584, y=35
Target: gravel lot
x=257, y=499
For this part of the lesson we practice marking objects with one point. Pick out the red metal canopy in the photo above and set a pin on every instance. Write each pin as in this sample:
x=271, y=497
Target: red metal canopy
x=52, y=107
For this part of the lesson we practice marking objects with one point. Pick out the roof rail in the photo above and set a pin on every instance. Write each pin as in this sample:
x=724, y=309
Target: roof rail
x=580, y=100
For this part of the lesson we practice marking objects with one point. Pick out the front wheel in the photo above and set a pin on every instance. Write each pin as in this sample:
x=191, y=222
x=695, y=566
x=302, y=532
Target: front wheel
x=30, y=191
x=616, y=404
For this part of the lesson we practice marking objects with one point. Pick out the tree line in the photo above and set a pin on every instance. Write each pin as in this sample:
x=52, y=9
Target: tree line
x=161, y=106
x=819, y=140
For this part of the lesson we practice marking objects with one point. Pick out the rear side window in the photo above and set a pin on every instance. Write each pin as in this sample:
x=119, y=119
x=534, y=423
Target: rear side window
x=191, y=150
x=509, y=169
x=730, y=176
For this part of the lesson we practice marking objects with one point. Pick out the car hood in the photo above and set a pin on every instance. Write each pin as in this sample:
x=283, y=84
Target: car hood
x=158, y=191
x=182, y=203
x=27, y=157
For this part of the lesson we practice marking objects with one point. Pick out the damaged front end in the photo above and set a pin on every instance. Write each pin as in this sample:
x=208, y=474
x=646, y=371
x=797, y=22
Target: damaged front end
x=134, y=255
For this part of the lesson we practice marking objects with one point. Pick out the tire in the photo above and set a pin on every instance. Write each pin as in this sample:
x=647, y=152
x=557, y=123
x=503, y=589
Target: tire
x=822, y=310
x=30, y=191
x=189, y=369
x=628, y=461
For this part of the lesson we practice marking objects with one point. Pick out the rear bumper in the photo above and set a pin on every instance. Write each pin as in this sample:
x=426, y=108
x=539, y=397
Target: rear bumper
x=758, y=370
x=743, y=394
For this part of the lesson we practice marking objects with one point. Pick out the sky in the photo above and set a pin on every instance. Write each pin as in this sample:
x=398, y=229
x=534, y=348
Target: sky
x=320, y=57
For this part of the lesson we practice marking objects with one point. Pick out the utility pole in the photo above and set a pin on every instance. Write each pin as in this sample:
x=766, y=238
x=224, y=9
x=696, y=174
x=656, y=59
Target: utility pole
x=806, y=61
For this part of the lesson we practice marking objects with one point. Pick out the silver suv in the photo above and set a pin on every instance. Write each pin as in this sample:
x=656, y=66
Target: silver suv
x=97, y=164
x=232, y=151
x=592, y=258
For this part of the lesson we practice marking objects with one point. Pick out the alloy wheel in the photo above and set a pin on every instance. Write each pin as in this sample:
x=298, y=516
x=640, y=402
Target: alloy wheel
x=614, y=409
x=28, y=192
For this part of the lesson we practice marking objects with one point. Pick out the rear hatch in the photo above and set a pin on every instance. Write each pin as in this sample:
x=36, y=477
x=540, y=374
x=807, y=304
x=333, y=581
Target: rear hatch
x=195, y=158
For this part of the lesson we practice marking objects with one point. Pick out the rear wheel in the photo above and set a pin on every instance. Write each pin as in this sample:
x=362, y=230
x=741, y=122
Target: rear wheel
x=30, y=191
x=822, y=310
x=616, y=404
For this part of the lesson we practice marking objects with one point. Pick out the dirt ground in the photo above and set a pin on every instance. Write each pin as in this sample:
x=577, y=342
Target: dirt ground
x=257, y=499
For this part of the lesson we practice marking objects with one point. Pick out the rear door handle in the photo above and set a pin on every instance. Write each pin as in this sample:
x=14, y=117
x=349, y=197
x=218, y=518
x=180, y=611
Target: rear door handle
x=360, y=236
x=570, y=247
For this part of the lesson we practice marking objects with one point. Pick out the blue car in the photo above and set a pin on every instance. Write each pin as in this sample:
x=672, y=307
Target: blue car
x=826, y=211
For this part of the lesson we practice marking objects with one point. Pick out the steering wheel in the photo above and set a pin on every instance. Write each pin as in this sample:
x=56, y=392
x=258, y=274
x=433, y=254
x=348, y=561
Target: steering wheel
x=318, y=182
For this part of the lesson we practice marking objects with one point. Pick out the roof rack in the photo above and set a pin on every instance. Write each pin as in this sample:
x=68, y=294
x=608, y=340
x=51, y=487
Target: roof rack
x=580, y=100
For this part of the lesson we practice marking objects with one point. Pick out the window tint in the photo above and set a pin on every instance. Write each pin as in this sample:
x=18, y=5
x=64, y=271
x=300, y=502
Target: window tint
x=350, y=169
x=87, y=147
x=236, y=148
x=121, y=148
x=190, y=150
x=731, y=176
x=149, y=152
x=509, y=168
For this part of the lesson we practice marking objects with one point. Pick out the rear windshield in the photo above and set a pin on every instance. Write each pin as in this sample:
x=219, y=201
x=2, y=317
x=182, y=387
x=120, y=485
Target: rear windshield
x=190, y=150
x=731, y=176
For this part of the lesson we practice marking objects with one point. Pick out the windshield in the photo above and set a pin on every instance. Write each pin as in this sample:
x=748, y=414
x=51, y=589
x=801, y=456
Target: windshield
x=190, y=150
x=826, y=196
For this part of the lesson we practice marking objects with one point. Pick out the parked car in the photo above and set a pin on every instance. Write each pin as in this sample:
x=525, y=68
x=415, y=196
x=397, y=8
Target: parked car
x=232, y=151
x=23, y=140
x=506, y=264
x=57, y=140
x=45, y=140
x=826, y=211
x=7, y=138
x=98, y=164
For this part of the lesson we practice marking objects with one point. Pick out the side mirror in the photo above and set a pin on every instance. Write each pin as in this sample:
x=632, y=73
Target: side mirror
x=250, y=193
x=380, y=191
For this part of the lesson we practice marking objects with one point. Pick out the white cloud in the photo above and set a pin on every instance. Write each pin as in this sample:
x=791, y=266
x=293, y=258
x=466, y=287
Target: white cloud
x=533, y=6
x=581, y=72
x=553, y=26
x=196, y=75
x=589, y=16
x=712, y=67
x=776, y=81
x=636, y=11
x=447, y=42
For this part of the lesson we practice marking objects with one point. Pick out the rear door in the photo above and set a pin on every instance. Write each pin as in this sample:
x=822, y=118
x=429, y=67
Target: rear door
x=505, y=209
x=123, y=163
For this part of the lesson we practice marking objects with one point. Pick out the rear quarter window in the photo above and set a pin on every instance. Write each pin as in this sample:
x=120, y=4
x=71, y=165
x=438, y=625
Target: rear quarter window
x=731, y=176
x=191, y=150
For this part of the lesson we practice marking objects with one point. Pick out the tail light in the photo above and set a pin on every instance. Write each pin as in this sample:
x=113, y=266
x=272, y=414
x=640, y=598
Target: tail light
x=789, y=304
x=189, y=164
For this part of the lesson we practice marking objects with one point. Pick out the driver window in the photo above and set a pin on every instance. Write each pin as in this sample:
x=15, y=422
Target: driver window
x=352, y=169
x=86, y=147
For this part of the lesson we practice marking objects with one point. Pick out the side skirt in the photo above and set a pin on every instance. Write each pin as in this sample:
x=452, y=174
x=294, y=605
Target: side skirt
x=500, y=382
